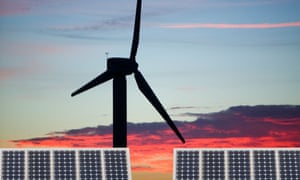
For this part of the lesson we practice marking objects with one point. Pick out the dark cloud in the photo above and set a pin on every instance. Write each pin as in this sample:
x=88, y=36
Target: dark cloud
x=281, y=122
x=99, y=130
x=182, y=107
x=247, y=121
x=274, y=111
x=123, y=21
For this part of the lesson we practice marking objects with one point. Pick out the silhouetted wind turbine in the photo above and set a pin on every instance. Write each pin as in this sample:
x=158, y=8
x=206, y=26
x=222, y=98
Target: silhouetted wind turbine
x=117, y=69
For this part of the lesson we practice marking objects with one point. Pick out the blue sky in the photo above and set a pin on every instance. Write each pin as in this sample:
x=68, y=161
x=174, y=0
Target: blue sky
x=199, y=56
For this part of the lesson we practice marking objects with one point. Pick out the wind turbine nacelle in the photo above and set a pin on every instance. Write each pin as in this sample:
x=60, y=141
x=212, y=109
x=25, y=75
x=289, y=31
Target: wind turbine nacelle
x=121, y=65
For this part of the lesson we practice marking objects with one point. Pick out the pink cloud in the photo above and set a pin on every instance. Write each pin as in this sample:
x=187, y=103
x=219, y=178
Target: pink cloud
x=232, y=26
x=21, y=72
x=13, y=7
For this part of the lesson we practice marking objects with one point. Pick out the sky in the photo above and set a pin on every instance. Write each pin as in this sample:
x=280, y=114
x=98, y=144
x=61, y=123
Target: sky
x=201, y=57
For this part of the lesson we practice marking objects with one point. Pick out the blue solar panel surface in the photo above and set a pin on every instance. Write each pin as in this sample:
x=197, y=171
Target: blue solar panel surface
x=289, y=165
x=13, y=165
x=90, y=165
x=116, y=165
x=264, y=165
x=187, y=165
x=237, y=164
x=39, y=165
x=65, y=164
x=213, y=165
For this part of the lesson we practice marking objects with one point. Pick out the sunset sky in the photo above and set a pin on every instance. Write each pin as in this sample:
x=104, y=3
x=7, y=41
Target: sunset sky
x=203, y=59
x=151, y=144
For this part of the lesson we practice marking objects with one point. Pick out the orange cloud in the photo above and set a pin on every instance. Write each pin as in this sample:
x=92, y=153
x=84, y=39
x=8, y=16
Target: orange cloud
x=232, y=26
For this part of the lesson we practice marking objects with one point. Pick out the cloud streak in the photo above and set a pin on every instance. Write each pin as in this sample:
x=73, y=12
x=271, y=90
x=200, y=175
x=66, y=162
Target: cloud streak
x=231, y=26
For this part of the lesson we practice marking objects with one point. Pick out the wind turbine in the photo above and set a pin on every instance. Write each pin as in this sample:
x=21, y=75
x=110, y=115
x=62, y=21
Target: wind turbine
x=117, y=69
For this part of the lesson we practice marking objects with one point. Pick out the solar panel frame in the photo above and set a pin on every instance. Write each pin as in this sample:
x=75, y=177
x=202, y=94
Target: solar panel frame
x=76, y=159
x=250, y=159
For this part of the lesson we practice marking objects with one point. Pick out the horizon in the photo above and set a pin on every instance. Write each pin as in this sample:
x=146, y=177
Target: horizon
x=151, y=145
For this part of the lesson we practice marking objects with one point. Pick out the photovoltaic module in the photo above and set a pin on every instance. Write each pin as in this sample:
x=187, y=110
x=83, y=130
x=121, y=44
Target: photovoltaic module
x=241, y=163
x=68, y=163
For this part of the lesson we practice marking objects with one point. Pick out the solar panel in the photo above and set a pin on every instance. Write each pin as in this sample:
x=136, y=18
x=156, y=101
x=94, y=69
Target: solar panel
x=187, y=165
x=289, y=164
x=67, y=163
x=39, y=165
x=241, y=163
x=13, y=164
x=213, y=165
x=116, y=165
x=90, y=164
x=64, y=164
x=264, y=164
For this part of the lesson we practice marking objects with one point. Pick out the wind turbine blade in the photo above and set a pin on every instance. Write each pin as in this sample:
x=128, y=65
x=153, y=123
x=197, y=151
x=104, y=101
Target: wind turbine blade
x=149, y=94
x=98, y=80
x=136, y=32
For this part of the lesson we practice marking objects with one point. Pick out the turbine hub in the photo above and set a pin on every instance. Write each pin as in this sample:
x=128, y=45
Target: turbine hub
x=121, y=65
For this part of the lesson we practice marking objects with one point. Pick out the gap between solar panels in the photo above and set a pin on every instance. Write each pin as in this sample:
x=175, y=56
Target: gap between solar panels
x=238, y=163
x=65, y=163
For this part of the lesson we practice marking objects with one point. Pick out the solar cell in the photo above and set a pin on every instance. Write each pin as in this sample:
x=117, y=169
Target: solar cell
x=64, y=164
x=90, y=164
x=116, y=164
x=213, y=165
x=187, y=165
x=13, y=165
x=239, y=164
x=264, y=164
x=289, y=164
x=39, y=165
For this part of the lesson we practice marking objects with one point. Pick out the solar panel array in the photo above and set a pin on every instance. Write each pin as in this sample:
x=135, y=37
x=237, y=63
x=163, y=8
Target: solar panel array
x=68, y=163
x=233, y=164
